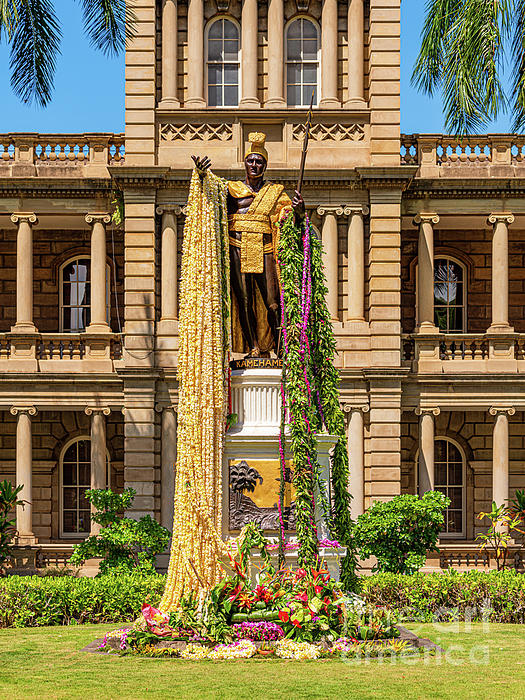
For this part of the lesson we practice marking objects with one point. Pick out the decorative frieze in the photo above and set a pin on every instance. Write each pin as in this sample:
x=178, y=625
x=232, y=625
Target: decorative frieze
x=196, y=132
x=330, y=132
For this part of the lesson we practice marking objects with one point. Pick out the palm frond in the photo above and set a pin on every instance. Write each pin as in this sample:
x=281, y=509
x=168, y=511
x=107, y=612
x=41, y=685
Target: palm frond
x=35, y=45
x=109, y=23
x=8, y=16
x=462, y=53
x=518, y=67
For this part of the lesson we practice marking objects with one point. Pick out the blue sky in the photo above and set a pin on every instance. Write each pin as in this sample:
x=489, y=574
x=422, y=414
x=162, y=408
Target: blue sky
x=89, y=88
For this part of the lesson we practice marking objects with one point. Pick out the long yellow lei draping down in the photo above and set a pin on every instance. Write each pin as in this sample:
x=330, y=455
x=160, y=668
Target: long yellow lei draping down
x=197, y=543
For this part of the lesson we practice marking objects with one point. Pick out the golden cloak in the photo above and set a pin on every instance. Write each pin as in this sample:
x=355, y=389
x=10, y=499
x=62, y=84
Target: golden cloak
x=262, y=217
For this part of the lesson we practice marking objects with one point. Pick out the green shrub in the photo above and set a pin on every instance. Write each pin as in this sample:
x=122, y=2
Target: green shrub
x=33, y=601
x=8, y=502
x=399, y=532
x=496, y=596
x=125, y=545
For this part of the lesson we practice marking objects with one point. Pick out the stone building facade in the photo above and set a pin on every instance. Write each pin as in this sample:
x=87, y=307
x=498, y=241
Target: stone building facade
x=422, y=243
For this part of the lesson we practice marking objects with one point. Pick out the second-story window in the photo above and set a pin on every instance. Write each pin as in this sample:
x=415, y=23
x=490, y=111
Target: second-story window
x=449, y=295
x=223, y=64
x=75, y=295
x=302, y=62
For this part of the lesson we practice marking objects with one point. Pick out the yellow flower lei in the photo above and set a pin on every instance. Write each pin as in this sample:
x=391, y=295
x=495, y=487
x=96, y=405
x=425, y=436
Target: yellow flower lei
x=197, y=543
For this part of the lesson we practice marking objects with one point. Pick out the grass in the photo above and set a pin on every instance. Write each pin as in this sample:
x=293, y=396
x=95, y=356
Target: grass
x=45, y=663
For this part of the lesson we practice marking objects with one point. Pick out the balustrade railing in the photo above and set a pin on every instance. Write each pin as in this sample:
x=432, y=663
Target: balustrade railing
x=442, y=151
x=45, y=347
x=62, y=149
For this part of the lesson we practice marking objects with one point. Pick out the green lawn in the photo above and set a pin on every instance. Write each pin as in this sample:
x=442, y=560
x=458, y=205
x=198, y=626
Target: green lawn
x=46, y=663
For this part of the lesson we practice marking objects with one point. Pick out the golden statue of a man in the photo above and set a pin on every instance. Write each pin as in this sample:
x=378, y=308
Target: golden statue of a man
x=255, y=208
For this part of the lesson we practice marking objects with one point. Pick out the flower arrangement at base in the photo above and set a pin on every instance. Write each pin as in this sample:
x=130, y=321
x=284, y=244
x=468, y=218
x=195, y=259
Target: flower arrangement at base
x=301, y=651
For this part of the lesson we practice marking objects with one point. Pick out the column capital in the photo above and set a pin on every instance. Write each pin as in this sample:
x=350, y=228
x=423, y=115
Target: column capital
x=500, y=217
x=497, y=410
x=427, y=410
x=426, y=218
x=169, y=208
x=160, y=407
x=323, y=209
x=90, y=410
x=17, y=410
x=98, y=218
x=362, y=209
x=351, y=407
x=24, y=218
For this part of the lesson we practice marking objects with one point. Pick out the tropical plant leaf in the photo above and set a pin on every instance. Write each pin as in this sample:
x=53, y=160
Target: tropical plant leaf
x=35, y=45
x=108, y=23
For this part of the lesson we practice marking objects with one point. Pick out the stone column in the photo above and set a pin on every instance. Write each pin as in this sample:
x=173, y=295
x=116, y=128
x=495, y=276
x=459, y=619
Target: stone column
x=425, y=272
x=168, y=276
x=329, y=55
x=195, y=55
x=24, y=474
x=330, y=256
x=169, y=55
x=500, y=272
x=249, y=43
x=500, y=454
x=356, y=457
x=276, y=99
x=168, y=459
x=24, y=272
x=98, y=323
x=356, y=49
x=98, y=452
x=355, y=308
x=426, y=448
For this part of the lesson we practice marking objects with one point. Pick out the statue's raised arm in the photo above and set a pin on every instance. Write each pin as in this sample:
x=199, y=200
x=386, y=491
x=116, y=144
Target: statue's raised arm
x=202, y=165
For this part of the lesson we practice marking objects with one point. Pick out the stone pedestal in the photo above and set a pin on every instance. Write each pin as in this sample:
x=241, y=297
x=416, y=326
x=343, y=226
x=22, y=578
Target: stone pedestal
x=251, y=465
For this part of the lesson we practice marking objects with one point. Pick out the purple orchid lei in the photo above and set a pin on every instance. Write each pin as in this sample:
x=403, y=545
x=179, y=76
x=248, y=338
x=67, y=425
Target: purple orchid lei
x=258, y=631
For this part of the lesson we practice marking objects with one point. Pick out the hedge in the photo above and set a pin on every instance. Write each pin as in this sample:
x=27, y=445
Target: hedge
x=496, y=596
x=33, y=601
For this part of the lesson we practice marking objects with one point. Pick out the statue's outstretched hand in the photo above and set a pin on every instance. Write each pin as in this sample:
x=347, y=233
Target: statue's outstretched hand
x=201, y=164
x=298, y=205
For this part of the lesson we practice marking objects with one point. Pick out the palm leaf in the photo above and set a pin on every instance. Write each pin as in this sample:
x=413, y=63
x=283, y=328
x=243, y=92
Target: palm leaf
x=35, y=45
x=108, y=23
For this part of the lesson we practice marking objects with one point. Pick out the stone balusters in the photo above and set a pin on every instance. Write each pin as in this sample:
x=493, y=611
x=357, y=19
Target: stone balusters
x=329, y=42
x=426, y=447
x=24, y=272
x=425, y=272
x=24, y=474
x=500, y=454
x=356, y=456
x=98, y=452
x=99, y=292
x=500, y=272
x=169, y=55
x=356, y=48
x=195, y=55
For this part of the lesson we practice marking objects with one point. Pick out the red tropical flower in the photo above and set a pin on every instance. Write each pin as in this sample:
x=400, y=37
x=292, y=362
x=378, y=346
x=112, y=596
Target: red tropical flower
x=284, y=616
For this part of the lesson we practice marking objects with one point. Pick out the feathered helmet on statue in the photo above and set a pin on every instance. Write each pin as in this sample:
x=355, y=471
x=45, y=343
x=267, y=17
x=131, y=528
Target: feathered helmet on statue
x=256, y=145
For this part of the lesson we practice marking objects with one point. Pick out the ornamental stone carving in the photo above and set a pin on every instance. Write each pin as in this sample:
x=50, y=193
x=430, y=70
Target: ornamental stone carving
x=330, y=132
x=196, y=132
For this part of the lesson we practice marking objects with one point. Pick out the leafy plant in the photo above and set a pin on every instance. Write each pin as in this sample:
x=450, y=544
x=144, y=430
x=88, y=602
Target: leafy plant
x=125, y=544
x=401, y=531
x=497, y=538
x=8, y=502
x=517, y=506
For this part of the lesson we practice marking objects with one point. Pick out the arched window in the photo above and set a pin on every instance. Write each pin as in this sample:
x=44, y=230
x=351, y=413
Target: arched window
x=449, y=478
x=223, y=63
x=449, y=295
x=302, y=62
x=75, y=480
x=75, y=295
